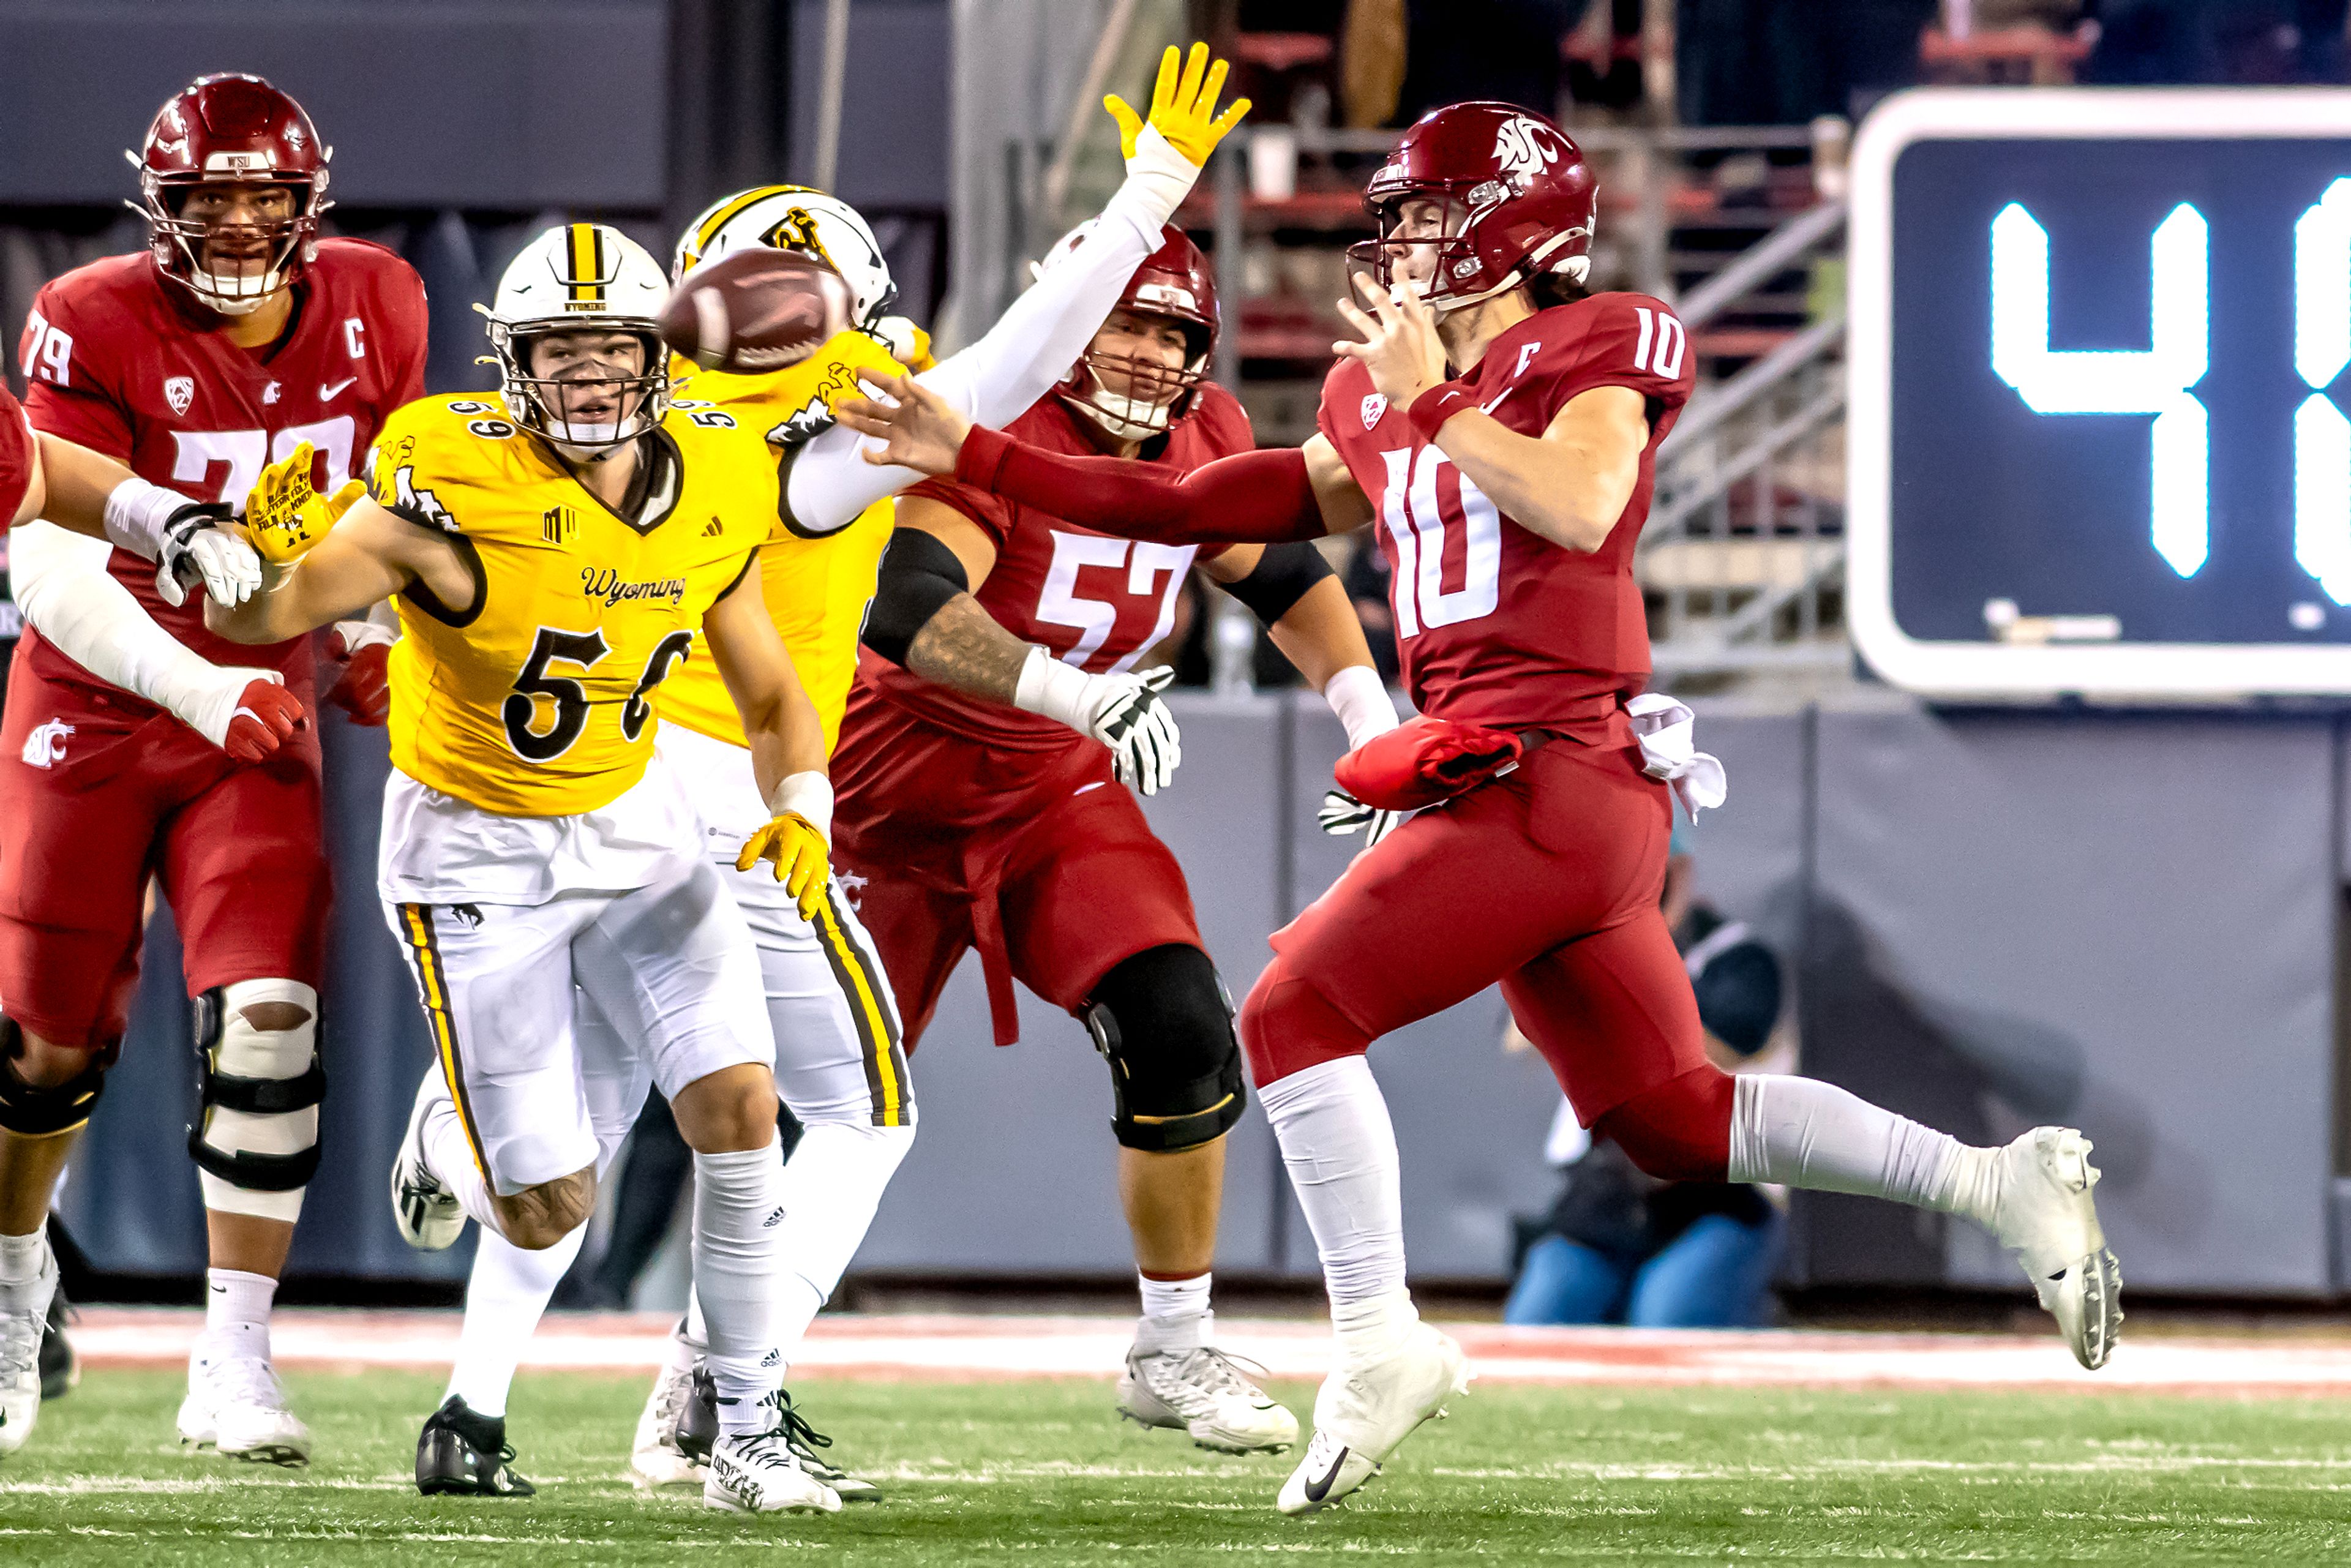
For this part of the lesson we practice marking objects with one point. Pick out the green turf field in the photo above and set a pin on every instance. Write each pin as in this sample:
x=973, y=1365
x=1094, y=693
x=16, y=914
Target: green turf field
x=1040, y=1473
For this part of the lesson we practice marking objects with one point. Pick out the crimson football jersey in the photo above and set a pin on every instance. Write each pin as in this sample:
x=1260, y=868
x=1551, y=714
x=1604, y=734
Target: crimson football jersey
x=1086, y=598
x=123, y=363
x=16, y=456
x=1496, y=624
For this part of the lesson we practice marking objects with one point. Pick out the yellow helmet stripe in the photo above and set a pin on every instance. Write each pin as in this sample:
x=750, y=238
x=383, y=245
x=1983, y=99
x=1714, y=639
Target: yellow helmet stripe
x=586, y=284
x=735, y=208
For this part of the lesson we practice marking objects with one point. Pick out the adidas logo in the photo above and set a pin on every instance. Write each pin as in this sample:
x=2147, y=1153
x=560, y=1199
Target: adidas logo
x=773, y=1358
x=715, y=529
x=775, y=1217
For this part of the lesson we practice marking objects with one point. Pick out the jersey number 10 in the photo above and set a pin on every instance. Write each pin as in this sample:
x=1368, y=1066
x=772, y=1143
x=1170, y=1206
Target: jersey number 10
x=1429, y=521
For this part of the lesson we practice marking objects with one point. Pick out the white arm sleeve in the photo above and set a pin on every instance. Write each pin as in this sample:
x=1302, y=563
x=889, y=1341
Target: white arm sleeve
x=61, y=584
x=1030, y=348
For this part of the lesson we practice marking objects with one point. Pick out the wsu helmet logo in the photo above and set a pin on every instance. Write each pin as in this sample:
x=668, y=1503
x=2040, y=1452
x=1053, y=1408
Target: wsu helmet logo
x=1525, y=148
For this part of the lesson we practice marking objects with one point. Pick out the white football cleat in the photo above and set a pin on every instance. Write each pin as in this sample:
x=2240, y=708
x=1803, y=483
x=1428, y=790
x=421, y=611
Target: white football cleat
x=425, y=1211
x=1363, y=1413
x=236, y=1406
x=20, y=1356
x=759, y=1473
x=654, y=1459
x=2047, y=1217
x=1207, y=1394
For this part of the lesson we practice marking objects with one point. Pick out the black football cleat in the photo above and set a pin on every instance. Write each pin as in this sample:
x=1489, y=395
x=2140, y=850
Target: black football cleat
x=697, y=1429
x=461, y=1453
x=60, y=1367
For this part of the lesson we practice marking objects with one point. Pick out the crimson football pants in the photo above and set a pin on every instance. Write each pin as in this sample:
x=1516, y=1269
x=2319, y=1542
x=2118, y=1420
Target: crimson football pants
x=1546, y=880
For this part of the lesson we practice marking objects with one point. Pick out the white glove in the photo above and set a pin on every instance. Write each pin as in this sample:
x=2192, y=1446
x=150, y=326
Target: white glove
x=1343, y=814
x=194, y=549
x=1664, y=728
x=1123, y=712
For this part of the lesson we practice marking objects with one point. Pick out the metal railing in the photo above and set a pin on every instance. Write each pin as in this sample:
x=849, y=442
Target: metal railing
x=1743, y=558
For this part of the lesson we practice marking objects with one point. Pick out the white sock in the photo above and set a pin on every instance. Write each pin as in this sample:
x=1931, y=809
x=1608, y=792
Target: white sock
x=505, y=1299
x=29, y=1276
x=237, y=1315
x=697, y=1327
x=1175, y=1315
x=1341, y=1150
x=830, y=1189
x=1800, y=1131
x=1376, y=1327
x=736, y=1217
x=450, y=1157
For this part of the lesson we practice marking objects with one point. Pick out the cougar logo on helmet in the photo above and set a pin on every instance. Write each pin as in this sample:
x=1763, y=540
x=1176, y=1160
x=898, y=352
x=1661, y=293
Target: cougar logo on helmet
x=1525, y=148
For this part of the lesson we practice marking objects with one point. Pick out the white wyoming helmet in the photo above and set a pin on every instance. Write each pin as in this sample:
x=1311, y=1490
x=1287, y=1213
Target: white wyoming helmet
x=573, y=277
x=799, y=219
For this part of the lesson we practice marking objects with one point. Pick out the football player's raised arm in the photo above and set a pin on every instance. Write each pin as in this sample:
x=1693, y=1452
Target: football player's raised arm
x=787, y=741
x=1044, y=330
x=1570, y=483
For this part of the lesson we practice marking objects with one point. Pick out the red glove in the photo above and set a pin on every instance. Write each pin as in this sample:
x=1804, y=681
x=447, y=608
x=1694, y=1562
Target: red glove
x=1423, y=761
x=266, y=715
x=353, y=655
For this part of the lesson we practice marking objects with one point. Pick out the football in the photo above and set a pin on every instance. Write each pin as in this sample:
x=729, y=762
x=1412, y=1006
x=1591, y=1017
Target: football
x=756, y=311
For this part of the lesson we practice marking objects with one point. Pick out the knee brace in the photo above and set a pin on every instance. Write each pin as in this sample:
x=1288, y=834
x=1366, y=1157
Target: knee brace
x=255, y=1138
x=1164, y=1023
x=30, y=1111
x=1678, y=1130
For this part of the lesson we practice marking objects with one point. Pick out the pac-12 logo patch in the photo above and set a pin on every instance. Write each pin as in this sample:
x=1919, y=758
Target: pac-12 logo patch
x=46, y=746
x=1376, y=409
x=180, y=392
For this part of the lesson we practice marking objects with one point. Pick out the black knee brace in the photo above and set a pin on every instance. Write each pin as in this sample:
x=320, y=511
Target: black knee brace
x=255, y=1096
x=1162, y=1021
x=32, y=1112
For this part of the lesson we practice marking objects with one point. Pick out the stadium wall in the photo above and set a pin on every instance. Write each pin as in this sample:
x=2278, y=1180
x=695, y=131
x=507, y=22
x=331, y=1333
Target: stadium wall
x=1994, y=918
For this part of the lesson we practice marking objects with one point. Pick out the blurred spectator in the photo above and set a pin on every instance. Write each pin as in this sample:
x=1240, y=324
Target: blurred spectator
x=1765, y=62
x=1502, y=50
x=1622, y=1247
x=2146, y=43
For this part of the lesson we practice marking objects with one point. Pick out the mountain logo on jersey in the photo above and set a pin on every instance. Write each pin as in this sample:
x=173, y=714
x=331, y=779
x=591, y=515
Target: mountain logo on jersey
x=1526, y=148
x=558, y=524
x=1376, y=409
x=180, y=392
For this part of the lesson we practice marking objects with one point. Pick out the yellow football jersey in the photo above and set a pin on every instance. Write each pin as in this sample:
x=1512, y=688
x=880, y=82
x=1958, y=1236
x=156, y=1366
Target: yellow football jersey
x=817, y=589
x=535, y=699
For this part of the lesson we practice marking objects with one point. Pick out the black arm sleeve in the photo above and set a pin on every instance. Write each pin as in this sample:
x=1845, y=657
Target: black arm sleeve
x=1283, y=575
x=919, y=574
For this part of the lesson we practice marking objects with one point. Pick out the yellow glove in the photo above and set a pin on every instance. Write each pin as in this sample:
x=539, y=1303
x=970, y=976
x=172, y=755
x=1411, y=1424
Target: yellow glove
x=802, y=861
x=284, y=517
x=1182, y=105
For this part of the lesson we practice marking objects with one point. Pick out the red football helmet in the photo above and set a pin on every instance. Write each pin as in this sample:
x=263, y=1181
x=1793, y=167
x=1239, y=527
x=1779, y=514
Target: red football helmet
x=1174, y=282
x=217, y=130
x=1518, y=203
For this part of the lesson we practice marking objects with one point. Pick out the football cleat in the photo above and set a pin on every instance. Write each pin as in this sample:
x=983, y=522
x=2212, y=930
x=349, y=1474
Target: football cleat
x=655, y=1458
x=463, y=1453
x=1363, y=1413
x=21, y=1327
x=236, y=1406
x=2047, y=1217
x=757, y=1473
x=1207, y=1394
x=697, y=1431
x=426, y=1210
x=60, y=1367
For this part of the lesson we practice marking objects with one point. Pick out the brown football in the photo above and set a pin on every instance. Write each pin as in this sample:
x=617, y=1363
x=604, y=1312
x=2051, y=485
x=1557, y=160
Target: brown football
x=754, y=311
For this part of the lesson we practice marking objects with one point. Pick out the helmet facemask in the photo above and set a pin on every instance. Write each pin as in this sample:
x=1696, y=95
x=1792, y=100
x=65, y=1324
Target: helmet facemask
x=187, y=246
x=592, y=404
x=1446, y=267
x=1135, y=396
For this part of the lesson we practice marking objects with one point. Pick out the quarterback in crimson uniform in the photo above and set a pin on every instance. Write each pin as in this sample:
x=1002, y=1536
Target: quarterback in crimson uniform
x=239, y=337
x=1498, y=427
x=980, y=801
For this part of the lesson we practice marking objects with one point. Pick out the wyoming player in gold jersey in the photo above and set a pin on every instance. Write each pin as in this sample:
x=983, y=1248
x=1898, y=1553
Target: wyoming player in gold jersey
x=556, y=553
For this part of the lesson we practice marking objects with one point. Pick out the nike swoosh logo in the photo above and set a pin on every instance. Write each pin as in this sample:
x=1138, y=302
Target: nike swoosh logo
x=1316, y=1491
x=329, y=393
